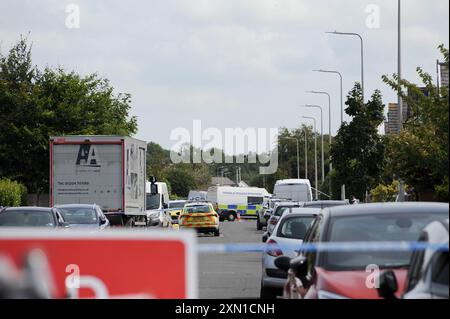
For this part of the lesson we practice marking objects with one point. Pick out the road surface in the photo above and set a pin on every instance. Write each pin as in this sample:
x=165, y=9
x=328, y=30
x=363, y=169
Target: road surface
x=231, y=275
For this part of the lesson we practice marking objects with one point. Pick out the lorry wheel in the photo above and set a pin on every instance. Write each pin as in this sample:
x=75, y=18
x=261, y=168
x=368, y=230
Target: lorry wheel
x=258, y=224
x=231, y=217
x=130, y=222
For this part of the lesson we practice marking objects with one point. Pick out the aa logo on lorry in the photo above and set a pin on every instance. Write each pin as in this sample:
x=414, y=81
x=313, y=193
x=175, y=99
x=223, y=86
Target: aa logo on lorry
x=87, y=156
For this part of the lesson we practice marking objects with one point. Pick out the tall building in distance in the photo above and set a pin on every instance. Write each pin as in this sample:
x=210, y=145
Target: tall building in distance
x=392, y=125
x=443, y=70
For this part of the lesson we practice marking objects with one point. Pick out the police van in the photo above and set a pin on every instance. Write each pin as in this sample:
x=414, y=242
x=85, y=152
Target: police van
x=233, y=202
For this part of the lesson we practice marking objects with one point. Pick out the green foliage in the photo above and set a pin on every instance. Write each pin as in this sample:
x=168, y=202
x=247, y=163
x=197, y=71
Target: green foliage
x=35, y=105
x=442, y=191
x=358, y=150
x=12, y=193
x=181, y=180
x=385, y=193
x=419, y=154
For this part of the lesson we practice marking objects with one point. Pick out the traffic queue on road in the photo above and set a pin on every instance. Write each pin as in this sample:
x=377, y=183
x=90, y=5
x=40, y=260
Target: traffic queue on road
x=297, y=261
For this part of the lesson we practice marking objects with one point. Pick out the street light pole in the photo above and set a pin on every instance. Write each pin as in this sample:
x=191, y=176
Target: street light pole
x=362, y=54
x=400, y=100
x=298, y=152
x=306, y=153
x=315, y=155
x=329, y=121
x=342, y=93
x=321, y=132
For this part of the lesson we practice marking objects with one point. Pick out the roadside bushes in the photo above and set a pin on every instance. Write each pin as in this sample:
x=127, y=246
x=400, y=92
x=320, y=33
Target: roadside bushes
x=12, y=193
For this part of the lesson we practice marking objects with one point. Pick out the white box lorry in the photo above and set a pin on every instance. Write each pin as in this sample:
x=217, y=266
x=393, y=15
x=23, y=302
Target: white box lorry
x=109, y=171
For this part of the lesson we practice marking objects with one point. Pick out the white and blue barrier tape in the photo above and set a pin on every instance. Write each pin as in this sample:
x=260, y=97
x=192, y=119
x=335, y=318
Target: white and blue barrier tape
x=324, y=247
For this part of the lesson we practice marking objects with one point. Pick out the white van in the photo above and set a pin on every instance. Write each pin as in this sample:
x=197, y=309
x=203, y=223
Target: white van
x=231, y=202
x=298, y=190
x=159, y=198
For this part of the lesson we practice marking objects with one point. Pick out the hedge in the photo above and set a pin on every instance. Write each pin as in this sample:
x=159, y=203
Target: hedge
x=12, y=193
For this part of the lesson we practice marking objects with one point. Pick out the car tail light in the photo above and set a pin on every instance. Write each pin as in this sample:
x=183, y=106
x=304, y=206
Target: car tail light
x=273, y=249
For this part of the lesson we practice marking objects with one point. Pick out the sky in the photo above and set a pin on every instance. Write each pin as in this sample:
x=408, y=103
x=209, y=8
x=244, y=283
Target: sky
x=229, y=63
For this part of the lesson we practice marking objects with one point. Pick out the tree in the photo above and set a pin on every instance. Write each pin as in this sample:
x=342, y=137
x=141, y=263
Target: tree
x=157, y=159
x=181, y=180
x=419, y=154
x=38, y=104
x=357, y=150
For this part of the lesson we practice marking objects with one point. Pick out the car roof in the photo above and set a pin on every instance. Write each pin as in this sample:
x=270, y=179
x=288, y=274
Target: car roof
x=305, y=211
x=327, y=202
x=76, y=206
x=199, y=204
x=178, y=201
x=383, y=208
x=29, y=208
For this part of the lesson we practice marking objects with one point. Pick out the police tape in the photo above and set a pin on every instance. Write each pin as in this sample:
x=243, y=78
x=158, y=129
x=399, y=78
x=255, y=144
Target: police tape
x=323, y=247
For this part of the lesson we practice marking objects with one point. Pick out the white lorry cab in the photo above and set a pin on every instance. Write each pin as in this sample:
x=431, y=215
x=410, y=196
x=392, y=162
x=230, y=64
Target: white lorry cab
x=157, y=195
x=231, y=202
x=298, y=190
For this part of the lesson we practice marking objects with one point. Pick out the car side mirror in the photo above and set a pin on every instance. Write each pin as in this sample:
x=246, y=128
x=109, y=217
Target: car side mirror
x=299, y=266
x=388, y=285
x=265, y=237
x=103, y=220
x=165, y=206
x=283, y=263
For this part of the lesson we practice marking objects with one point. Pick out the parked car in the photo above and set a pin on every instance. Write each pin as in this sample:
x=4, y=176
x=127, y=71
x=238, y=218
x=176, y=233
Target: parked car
x=428, y=271
x=288, y=234
x=83, y=216
x=339, y=275
x=159, y=218
x=265, y=212
x=31, y=217
x=278, y=211
x=200, y=216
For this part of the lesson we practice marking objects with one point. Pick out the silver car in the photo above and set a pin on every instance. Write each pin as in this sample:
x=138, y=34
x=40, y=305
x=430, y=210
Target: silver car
x=288, y=234
x=84, y=216
x=278, y=211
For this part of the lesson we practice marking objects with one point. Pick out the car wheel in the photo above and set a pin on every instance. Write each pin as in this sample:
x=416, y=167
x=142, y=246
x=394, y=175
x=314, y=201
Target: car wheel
x=268, y=293
x=231, y=217
x=217, y=233
x=258, y=224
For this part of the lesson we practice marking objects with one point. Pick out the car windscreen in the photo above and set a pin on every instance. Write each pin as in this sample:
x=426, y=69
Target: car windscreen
x=295, y=227
x=176, y=205
x=280, y=210
x=152, y=201
x=197, y=209
x=392, y=227
x=26, y=218
x=79, y=215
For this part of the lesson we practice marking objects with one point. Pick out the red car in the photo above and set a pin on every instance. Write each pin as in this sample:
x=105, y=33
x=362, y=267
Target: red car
x=354, y=274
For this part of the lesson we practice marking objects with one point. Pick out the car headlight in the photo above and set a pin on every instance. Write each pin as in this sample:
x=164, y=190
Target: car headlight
x=154, y=215
x=323, y=294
